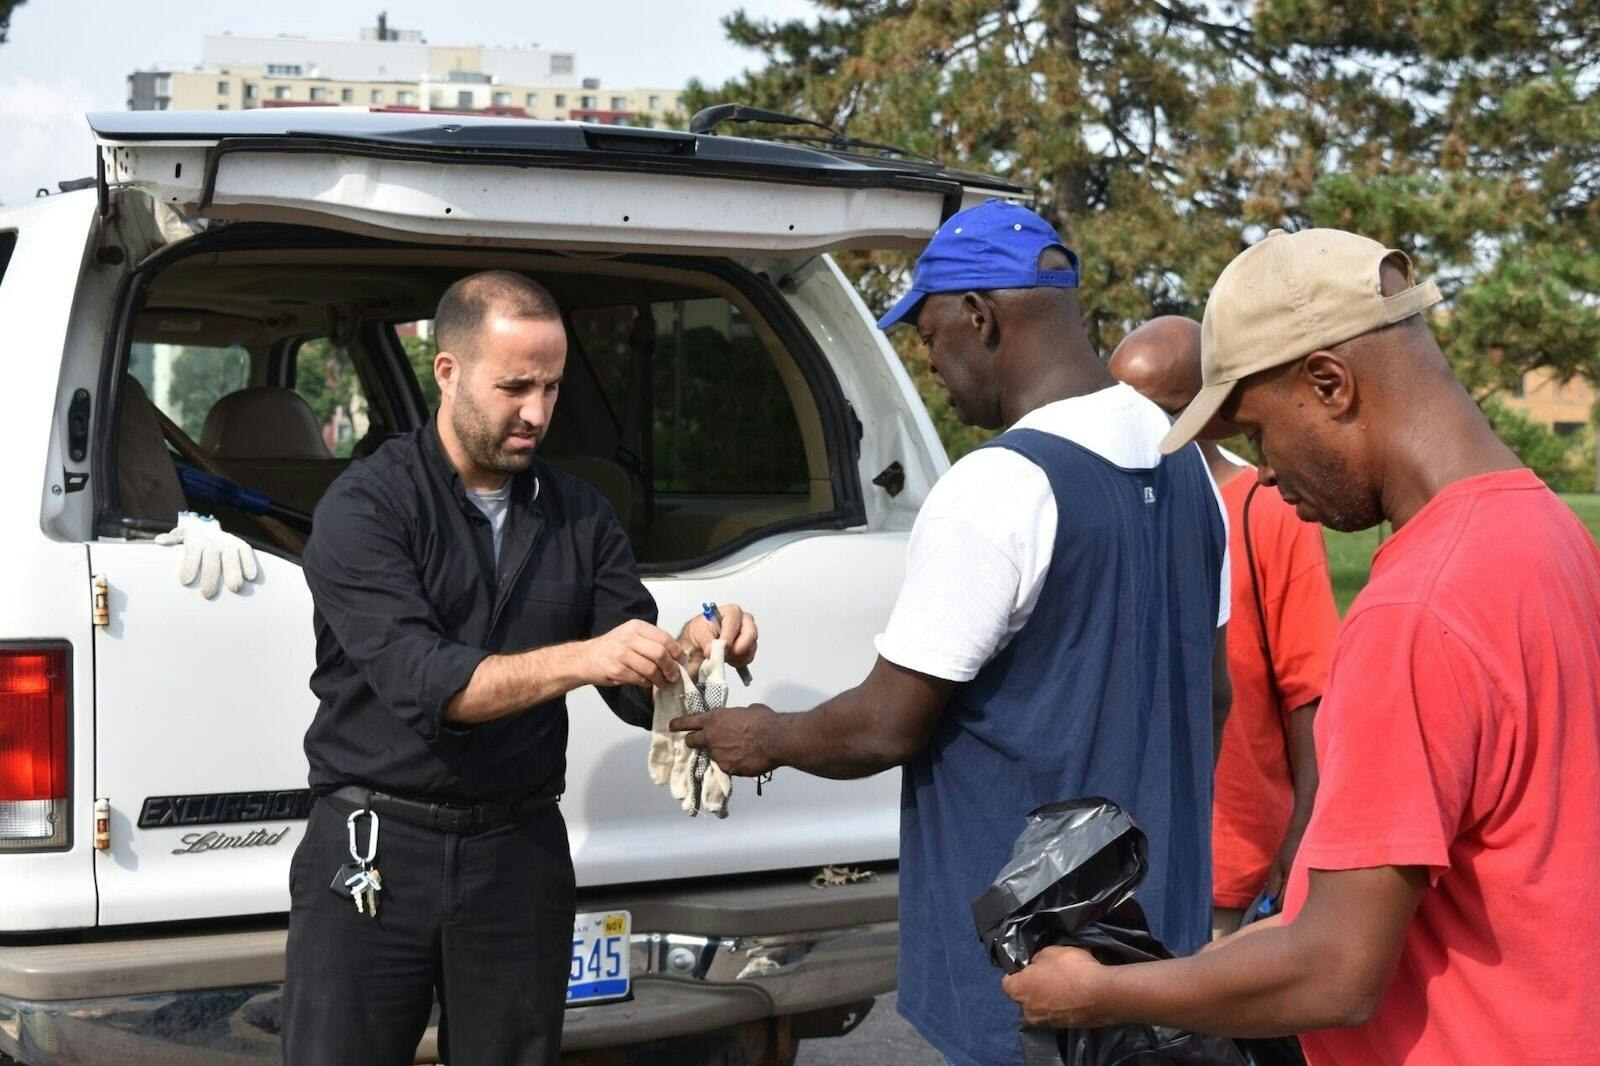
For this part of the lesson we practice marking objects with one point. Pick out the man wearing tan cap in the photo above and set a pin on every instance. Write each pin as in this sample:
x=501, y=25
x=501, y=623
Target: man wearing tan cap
x=1443, y=906
x=1279, y=640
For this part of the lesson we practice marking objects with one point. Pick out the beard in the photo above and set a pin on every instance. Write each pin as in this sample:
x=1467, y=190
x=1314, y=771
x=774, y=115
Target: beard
x=1335, y=498
x=485, y=442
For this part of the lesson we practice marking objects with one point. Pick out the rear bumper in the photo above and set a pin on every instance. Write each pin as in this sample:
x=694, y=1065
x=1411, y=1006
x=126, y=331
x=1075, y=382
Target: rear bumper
x=730, y=955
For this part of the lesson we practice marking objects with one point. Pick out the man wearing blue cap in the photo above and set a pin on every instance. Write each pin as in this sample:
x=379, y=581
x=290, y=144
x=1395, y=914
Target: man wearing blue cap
x=1054, y=636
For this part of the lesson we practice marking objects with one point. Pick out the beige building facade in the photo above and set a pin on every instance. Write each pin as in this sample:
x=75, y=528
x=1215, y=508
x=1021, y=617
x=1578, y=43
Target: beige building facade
x=1564, y=407
x=395, y=69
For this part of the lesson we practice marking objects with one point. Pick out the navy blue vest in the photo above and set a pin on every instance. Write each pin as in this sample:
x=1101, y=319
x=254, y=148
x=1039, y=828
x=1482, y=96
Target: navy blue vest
x=1106, y=690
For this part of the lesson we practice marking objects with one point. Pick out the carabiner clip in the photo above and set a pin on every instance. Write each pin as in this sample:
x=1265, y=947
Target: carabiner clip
x=372, y=838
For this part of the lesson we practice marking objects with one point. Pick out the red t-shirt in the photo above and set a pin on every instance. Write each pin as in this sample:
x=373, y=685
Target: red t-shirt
x=1461, y=732
x=1254, y=787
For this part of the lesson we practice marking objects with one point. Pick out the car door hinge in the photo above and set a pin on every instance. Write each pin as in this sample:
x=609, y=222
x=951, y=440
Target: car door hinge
x=102, y=824
x=102, y=601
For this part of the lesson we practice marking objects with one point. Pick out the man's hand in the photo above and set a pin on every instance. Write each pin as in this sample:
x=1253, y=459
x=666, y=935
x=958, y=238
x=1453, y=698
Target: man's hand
x=1059, y=989
x=634, y=653
x=738, y=634
x=735, y=736
x=216, y=557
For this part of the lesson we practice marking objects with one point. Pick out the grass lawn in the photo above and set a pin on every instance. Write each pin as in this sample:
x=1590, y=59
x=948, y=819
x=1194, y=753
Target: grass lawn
x=1350, y=554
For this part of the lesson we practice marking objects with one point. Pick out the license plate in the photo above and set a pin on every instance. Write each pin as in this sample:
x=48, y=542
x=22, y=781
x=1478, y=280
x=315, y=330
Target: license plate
x=599, y=970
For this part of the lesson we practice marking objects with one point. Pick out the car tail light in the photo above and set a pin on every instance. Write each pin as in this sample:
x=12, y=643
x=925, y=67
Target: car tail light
x=34, y=748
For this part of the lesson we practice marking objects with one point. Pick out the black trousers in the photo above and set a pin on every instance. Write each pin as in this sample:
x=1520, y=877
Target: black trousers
x=483, y=921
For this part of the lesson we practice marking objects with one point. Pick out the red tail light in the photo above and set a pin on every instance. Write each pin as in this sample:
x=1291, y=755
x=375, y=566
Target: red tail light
x=34, y=747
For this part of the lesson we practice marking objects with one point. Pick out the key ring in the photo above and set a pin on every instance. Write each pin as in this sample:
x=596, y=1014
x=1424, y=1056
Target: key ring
x=372, y=839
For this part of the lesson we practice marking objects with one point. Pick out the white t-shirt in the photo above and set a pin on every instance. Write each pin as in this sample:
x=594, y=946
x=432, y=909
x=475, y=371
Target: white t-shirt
x=982, y=542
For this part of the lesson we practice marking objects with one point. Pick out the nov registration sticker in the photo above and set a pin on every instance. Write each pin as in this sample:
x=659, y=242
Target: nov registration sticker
x=600, y=943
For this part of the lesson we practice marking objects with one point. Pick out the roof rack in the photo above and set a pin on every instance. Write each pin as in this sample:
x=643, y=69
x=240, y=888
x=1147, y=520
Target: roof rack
x=707, y=119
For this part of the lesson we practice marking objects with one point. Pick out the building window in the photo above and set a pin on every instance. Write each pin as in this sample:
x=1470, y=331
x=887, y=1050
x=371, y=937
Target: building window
x=347, y=96
x=405, y=97
x=533, y=100
x=377, y=96
x=161, y=104
x=619, y=103
x=250, y=90
x=1566, y=429
x=319, y=94
x=561, y=64
x=464, y=100
x=223, y=88
x=222, y=107
x=589, y=103
x=502, y=99
x=280, y=92
x=655, y=103
x=561, y=100
x=283, y=70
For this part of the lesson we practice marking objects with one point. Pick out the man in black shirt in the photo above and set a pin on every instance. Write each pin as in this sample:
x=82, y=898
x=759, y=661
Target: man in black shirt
x=462, y=589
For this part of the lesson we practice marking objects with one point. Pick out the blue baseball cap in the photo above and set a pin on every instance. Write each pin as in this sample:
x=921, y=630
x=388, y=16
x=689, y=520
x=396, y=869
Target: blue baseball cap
x=995, y=245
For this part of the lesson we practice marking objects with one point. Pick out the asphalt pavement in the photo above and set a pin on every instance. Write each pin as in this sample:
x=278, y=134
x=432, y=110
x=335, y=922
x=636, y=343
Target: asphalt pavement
x=884, y=1039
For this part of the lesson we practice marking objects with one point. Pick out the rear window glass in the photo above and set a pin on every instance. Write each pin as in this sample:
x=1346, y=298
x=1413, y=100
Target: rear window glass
x=722, y=419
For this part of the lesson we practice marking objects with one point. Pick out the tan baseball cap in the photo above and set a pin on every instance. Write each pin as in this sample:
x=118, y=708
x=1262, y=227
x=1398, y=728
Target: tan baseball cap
x=1283, y=298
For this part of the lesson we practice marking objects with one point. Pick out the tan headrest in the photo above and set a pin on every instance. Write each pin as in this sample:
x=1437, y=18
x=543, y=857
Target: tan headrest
x=263, y=422
x=609, y=477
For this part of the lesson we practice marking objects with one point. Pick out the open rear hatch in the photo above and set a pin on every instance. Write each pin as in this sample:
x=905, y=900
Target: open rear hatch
x=570, y=185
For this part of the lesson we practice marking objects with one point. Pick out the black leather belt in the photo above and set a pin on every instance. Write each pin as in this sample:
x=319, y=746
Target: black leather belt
x=445, y=817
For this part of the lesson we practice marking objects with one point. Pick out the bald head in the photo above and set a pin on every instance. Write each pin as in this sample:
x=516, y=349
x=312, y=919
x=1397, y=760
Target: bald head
x=469, y=305
x=1161, y=359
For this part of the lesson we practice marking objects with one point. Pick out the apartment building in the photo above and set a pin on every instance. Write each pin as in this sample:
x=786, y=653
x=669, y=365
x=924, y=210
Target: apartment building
x=1564, y=406
x=394, y=69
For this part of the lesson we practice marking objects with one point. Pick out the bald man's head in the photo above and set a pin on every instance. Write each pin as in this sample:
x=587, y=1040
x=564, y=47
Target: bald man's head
x=1161, y=359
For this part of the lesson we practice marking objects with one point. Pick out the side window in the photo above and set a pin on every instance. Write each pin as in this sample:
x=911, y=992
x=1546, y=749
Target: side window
x=184, y=380
x=326, y=376
x=417, y=340
x=722, y=420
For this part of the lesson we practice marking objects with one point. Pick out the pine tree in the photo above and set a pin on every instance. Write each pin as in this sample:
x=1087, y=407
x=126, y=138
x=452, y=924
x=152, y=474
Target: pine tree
x=1164, y=136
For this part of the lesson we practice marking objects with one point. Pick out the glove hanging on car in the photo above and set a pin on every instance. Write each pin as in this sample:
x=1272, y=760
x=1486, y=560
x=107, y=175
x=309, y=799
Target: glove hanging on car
x=217, y=557
x=693, y=779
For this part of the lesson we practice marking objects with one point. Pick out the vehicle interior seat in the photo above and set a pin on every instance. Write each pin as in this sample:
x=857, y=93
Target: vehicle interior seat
x=267, y=438
x=610, y=478
x=147, y=482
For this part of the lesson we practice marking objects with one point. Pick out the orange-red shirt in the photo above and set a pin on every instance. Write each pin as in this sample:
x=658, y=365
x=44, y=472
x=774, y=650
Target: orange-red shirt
x=1461, y=732
x=1254, y=787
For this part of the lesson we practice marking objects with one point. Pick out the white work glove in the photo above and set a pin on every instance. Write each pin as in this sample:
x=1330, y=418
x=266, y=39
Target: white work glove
x=668, y=705
x=715, y=786
x=217, y=557
x=671, y=760
x=682, y=778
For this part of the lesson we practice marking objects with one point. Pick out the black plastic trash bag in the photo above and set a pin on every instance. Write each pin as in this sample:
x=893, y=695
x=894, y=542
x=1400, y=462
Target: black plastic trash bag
x=1070, y=883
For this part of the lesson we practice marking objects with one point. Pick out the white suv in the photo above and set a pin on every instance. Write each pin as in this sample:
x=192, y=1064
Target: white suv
x=238, y=306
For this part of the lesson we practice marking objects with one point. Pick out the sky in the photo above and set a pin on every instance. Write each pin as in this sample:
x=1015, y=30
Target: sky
x=68, y=57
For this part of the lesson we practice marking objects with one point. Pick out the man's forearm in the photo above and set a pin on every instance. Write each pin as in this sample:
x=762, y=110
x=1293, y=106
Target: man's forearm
x=846, y=737
x=1302, y=766
x=1265, y=984
x=505, y=684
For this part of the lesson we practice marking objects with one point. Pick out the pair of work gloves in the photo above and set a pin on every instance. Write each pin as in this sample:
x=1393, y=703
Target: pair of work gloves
x=693, y=779
x=217, y=558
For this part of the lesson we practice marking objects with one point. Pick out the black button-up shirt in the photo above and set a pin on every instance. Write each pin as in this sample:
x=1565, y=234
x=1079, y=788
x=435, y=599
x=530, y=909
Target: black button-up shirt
x=409, y=600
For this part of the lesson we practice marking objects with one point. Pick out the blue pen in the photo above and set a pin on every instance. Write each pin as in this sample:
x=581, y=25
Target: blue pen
x=714, y=616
